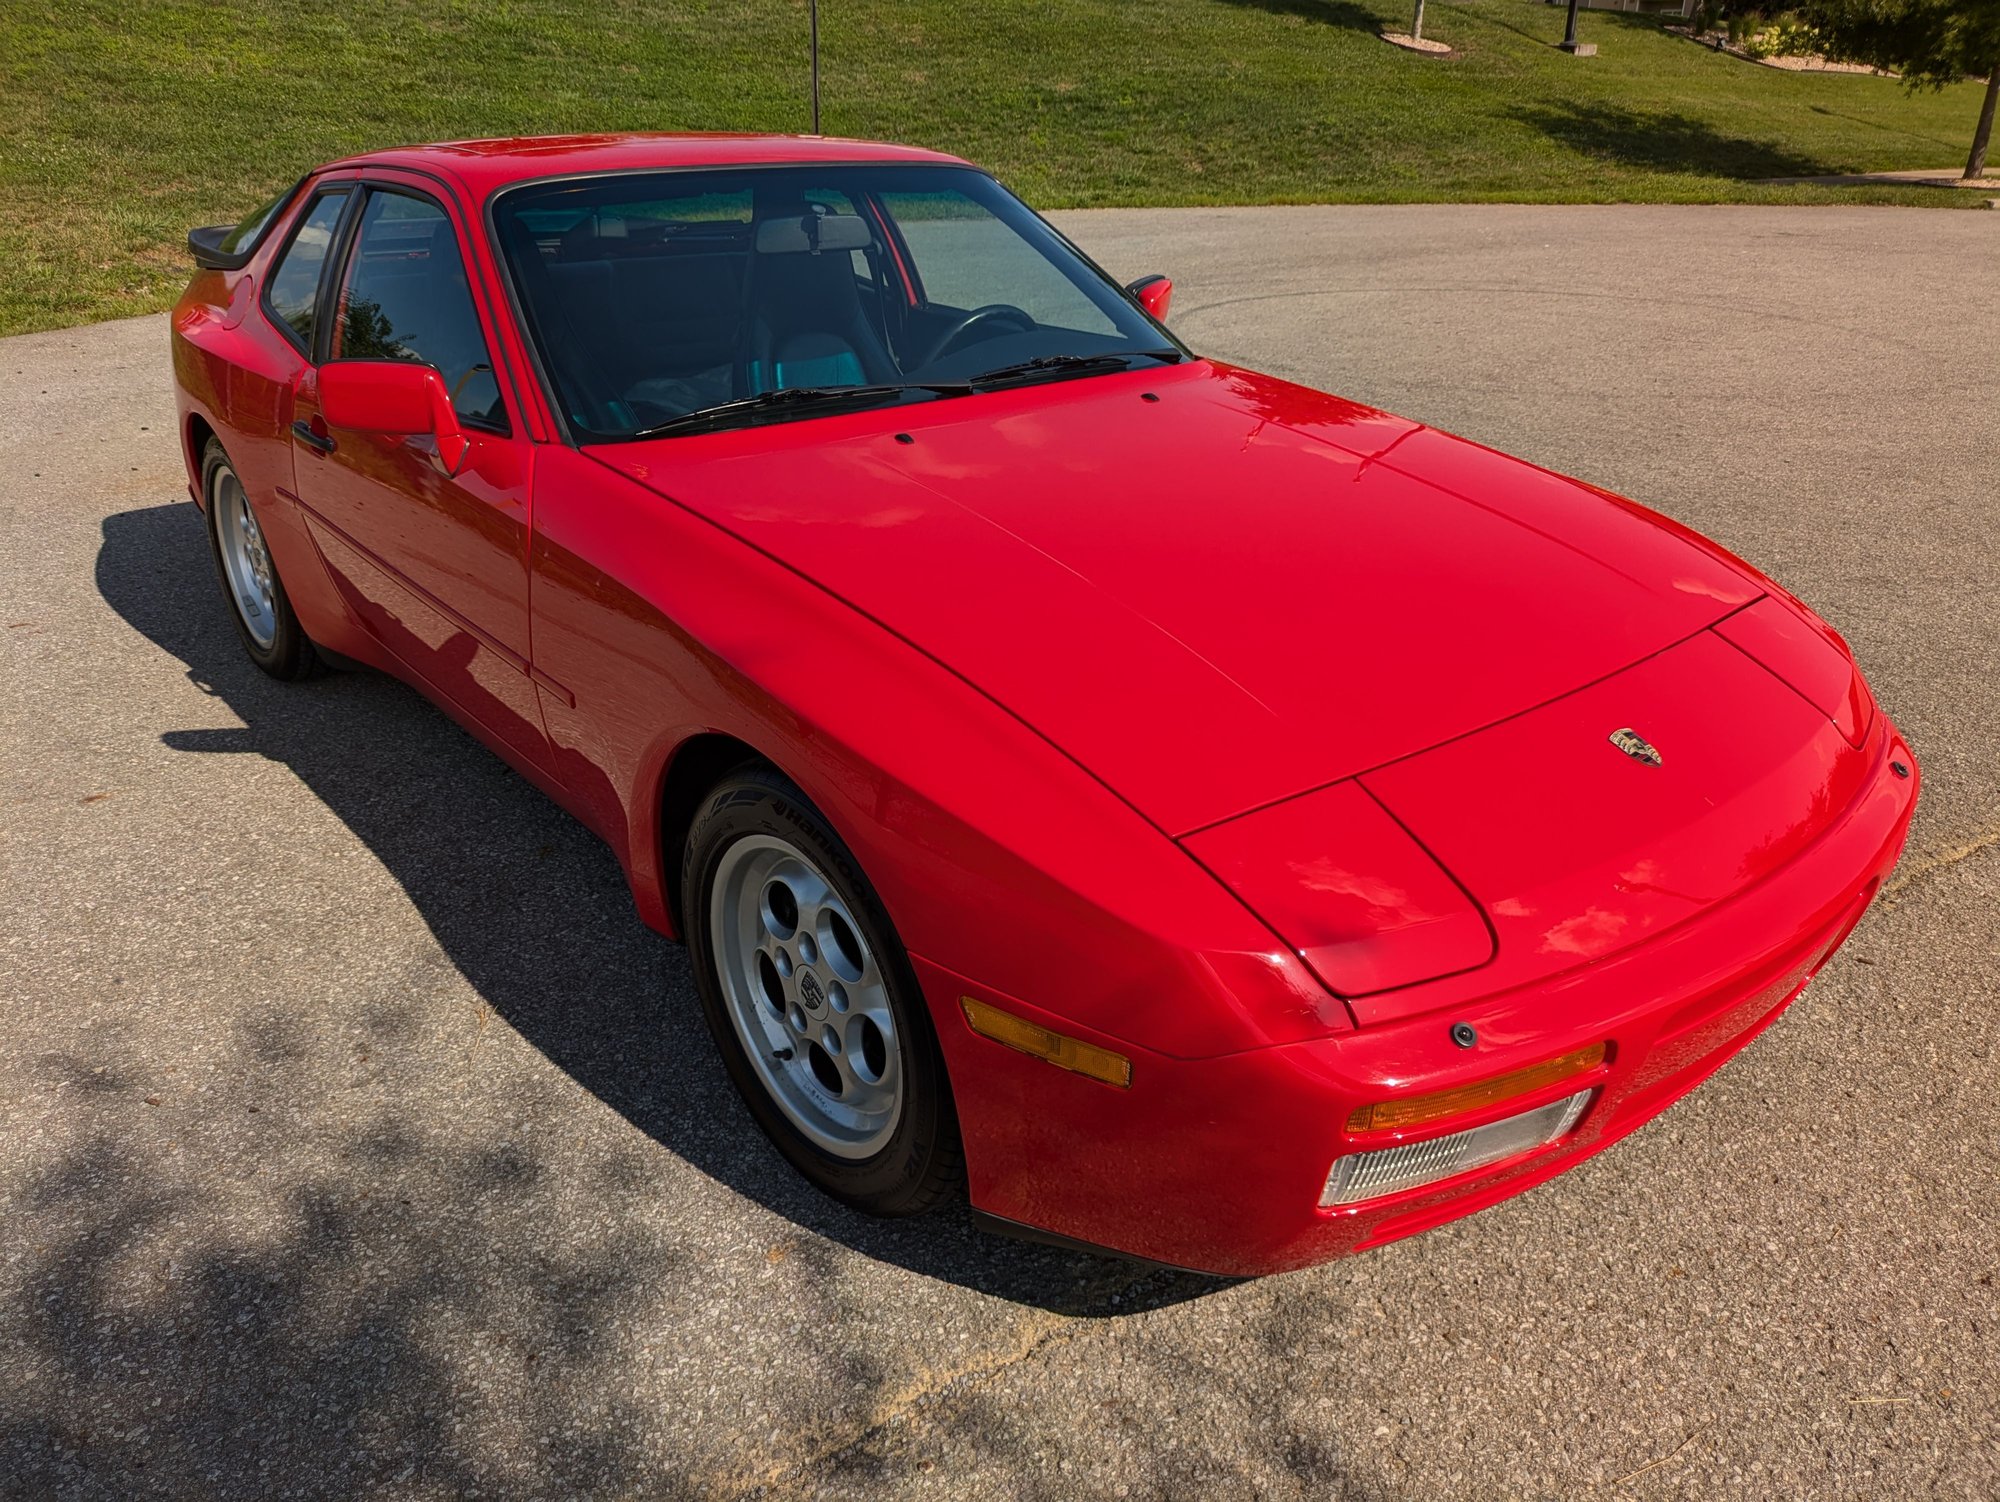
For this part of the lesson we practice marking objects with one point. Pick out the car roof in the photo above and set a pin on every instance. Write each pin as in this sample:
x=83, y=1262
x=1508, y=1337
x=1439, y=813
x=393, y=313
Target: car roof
x=486, y=165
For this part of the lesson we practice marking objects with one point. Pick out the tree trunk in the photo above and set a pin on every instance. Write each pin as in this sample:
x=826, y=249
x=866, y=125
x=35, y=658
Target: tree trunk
x=1975, y=165
x=1417, y=34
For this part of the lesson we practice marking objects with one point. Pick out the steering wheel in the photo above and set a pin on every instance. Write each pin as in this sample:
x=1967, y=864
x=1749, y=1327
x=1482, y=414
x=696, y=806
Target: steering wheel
x=952, y=337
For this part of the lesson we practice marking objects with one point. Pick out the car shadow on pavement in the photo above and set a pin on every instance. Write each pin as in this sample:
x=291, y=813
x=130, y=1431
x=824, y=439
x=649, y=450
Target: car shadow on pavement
x=532, y=910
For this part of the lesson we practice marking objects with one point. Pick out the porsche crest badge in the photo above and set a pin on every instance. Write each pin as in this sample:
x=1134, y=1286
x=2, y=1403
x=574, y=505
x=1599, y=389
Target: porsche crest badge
x=1635, y=746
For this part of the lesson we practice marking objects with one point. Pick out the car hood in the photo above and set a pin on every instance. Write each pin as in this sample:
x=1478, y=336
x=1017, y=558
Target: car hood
x=1212, y=589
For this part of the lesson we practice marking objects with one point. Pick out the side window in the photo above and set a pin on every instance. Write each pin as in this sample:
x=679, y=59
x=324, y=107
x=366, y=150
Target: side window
x=406, y=297
x=294, y=289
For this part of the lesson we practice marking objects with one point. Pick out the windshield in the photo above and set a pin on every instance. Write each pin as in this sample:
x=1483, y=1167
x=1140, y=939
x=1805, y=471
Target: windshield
x=656, y=297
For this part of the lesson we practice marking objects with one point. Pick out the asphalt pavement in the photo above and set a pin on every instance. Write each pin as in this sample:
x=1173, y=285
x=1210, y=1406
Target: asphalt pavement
x=357, y=1141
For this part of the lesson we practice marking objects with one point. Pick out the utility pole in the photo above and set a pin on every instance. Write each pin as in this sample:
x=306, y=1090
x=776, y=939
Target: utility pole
x=812, y=12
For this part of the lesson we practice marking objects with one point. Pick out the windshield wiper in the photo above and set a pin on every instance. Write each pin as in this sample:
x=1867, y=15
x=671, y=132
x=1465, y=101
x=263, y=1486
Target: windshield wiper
x=790, y=398
x=1043, y=365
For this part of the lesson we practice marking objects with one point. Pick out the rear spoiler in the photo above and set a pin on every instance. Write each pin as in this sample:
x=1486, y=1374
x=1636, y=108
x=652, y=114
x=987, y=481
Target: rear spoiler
x=205, y=245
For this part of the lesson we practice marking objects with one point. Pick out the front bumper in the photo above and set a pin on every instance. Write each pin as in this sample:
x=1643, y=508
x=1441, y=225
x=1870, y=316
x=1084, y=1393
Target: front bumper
x=1218, y=1164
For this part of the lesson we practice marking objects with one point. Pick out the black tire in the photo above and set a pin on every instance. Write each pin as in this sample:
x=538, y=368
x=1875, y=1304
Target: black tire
x=290, y=655
x=922, y=1165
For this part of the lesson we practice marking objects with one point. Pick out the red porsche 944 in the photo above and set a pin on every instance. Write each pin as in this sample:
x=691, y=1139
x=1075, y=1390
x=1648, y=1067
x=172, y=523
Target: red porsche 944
x=1189, y=814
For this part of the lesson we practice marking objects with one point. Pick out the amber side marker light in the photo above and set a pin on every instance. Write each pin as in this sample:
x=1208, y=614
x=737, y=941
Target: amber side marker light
x=1415, y=1110
x=1059, y=1049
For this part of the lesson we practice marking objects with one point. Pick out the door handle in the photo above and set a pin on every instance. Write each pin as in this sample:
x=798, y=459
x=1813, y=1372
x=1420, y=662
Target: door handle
x=319, y=442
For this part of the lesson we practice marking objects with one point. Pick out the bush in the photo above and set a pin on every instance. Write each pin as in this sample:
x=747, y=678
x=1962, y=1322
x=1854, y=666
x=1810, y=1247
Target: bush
x=1782, y=36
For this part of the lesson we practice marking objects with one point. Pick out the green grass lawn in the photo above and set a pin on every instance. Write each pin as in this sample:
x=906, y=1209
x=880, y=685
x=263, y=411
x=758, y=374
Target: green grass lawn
x=122, y=122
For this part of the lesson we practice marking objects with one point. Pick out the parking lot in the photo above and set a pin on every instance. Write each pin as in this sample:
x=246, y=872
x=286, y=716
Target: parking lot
x=356, y=1140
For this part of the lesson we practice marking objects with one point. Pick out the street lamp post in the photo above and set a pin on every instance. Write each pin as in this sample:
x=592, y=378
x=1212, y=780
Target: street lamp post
x=1569, y=43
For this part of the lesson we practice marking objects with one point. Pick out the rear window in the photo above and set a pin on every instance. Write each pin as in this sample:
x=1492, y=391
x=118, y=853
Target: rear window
x=689, y=217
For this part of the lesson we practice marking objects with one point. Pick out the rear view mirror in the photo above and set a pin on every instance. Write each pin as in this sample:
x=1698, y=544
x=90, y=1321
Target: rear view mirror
x=391, y=396
x=1153, y=293
x=812, y=233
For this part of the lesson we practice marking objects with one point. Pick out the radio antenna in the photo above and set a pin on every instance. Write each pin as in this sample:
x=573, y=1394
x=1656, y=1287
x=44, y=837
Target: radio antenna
x=812, y=12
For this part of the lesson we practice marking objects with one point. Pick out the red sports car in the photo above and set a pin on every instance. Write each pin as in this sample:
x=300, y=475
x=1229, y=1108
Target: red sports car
x=1193, y=815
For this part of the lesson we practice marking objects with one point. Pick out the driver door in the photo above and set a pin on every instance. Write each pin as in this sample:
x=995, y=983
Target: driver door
x=434, y=564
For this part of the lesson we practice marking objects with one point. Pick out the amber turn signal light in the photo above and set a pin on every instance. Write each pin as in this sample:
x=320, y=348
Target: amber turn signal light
x=1060, y=1050
x=1415, y=1110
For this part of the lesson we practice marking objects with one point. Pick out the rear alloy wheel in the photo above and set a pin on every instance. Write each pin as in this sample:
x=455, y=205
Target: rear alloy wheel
x=812, y=1001
x=270, y=632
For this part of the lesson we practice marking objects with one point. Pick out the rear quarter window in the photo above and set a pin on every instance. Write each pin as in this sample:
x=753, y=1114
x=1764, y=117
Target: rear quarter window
x=251, y=229
x=293, y=292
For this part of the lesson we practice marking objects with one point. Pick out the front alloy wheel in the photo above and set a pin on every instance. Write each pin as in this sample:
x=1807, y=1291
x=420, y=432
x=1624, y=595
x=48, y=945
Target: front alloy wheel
x=812, y=1001
x=806, y=997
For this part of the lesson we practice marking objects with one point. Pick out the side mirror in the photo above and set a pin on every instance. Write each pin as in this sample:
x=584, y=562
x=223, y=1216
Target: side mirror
x=1155, y=294
x=391, y=396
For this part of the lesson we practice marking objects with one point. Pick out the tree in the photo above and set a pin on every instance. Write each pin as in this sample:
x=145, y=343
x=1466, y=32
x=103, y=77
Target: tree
x=1930, y=42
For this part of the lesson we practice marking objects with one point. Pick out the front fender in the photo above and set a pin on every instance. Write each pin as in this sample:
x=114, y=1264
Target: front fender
x=995, y=854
